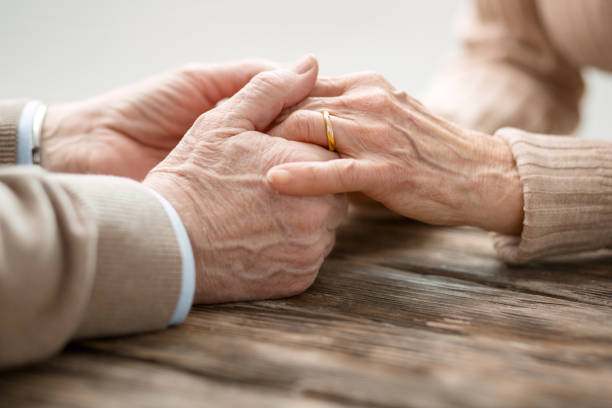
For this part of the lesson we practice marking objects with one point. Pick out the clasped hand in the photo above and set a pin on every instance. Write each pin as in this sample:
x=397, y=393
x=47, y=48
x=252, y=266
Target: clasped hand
x=209, y=162
x=220, y=164
x=398, y=153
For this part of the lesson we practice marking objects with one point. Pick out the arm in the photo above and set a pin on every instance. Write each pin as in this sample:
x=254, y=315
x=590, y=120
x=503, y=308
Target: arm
x=61, y=238
x=73, y=246
x=84, y=256
x=507, y=73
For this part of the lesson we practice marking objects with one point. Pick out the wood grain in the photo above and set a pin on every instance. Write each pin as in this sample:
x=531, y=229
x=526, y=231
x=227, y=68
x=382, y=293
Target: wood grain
x=402, y=315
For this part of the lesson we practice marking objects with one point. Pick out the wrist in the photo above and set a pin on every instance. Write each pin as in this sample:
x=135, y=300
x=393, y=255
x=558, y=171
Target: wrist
x=64, y=125
x=178, y=195
x=496, y=202
x=170, y=187
x=51, y=135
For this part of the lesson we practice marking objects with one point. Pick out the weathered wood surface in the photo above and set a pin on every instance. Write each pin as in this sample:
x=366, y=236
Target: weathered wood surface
x=402, y=315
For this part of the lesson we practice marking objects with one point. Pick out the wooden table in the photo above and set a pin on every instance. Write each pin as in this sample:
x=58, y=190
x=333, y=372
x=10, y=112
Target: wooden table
x=402, y=315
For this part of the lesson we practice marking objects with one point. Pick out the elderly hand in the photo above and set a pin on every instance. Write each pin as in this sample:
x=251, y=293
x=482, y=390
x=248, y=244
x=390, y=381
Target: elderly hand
x=130, y=130
x=396, y=152
x=249, y=241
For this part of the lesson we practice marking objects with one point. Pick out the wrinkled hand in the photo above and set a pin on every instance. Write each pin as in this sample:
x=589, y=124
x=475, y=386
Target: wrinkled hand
x=396, y=152
x=128, y=131
x=249, y=242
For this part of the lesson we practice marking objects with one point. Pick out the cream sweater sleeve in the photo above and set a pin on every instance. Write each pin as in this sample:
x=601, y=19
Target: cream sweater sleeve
x=507, y=73
x=80, y=256
x=567, y=194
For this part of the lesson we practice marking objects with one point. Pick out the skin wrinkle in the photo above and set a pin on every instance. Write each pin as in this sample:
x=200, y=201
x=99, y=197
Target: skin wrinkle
x=443, y=196
x=445, y=137
x=132, y=110
x=250, y=251
x=406, y=116
x=419, y=157
x=207, y=89
x=244, y=251
x=249, y=242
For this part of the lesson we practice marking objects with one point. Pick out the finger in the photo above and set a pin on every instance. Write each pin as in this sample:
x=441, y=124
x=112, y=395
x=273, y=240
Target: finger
x=312, y=103
x=339, y=210
x=267, y=94
x=221, y=81
x=336, y=86
x=310, y=152
x=330, y=86
x=318, y=178
x=309, y=127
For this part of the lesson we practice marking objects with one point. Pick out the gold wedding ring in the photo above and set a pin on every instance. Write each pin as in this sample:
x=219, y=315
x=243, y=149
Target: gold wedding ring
x=331, y=143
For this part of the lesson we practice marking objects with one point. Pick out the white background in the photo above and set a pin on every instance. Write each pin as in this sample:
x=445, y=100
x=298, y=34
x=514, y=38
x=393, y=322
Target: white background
x=71, y=49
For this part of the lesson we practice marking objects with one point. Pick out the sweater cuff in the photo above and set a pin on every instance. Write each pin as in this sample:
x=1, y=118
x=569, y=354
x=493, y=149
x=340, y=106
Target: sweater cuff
x=567, y=193
x=10, y=111
x=138, y=267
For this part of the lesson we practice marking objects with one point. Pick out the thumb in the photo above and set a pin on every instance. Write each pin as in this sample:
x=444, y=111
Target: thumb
x=319, y=178
x=221, y=81
x=269, y=92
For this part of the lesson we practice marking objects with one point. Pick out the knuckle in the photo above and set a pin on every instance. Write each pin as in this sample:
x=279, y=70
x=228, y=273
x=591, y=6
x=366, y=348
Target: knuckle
x=300, y=121
x=312, y=103
x=267, y=79
x=379, y=97
x=401, y=96
x=368, y=74
x=192, y=70
x=374, y=77
x=377, y=77
x=313, y=256
x=302, y=283
x=346, y=174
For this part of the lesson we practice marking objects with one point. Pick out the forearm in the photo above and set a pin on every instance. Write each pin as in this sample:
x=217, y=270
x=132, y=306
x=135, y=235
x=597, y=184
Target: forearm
x=77, y=263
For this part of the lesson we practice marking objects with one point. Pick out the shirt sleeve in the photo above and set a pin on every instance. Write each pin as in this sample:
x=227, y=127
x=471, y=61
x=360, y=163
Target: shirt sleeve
x=24, y=157
x=82, y=256
x=187, y=263
x=25, y=132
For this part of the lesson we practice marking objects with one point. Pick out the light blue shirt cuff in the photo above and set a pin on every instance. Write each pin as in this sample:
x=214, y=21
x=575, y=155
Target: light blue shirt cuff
x=187, y=265
x=25, y=132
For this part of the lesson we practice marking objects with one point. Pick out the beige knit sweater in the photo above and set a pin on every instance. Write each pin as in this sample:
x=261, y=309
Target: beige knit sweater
x=520, y=66
x=80, y=256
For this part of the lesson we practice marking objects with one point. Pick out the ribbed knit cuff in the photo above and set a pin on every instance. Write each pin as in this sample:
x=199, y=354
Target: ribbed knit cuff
x=567, y=191
x=138, y=267
x=9, y=125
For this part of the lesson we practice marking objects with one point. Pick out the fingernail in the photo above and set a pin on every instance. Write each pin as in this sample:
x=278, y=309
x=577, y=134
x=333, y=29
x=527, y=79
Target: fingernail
x=304, y=64
x=278, y=176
